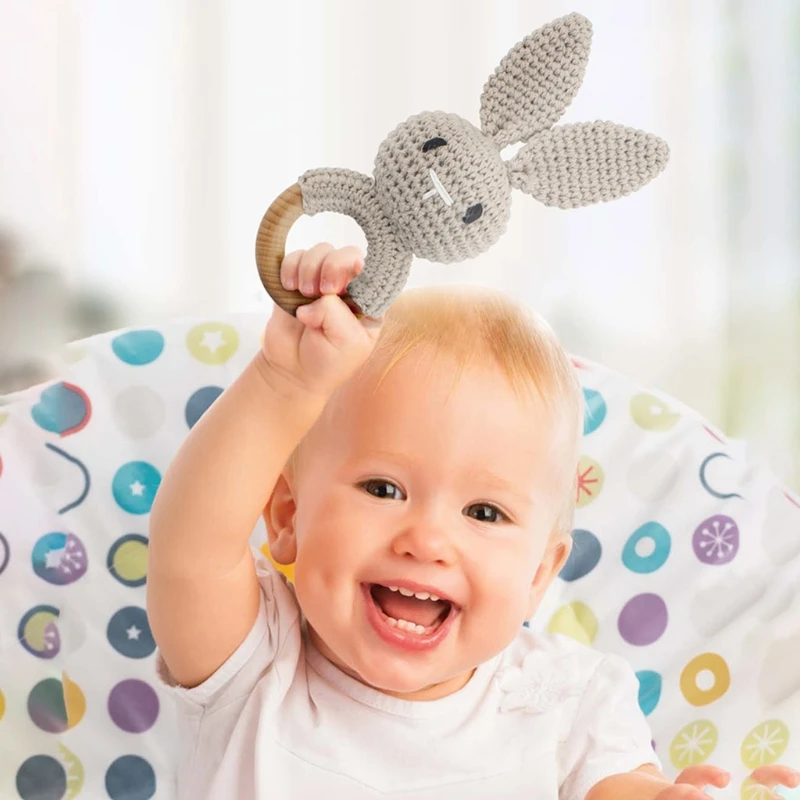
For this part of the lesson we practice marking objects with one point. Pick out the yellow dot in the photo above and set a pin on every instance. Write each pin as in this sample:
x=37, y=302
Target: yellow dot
x=212, y=342
x=130, y=561
x=2, y=705
x=652, y=414
x=722, y=679
x=756, y=791
x=74, y=701
x=575, y=620
x=35, y=629
x=765, y=744
x=694, y=744
x=591, y=480
x=75, y=774
x=287, y=570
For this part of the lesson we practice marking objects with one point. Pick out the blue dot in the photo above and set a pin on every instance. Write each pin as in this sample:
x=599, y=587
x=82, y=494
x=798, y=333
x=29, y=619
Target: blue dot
x=41, y=778
x=129, y=633
x=594, y=411
x=62, y=409
x=130, y=778
x=649, y=690
x=135, y=486
x=647, y=548
x=138, y=348
x=59, y=558
x=585, y=556
x=199, y=402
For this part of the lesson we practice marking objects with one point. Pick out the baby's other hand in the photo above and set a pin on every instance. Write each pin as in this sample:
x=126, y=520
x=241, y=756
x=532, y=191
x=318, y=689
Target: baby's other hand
x=320, y=347
x=690, y=783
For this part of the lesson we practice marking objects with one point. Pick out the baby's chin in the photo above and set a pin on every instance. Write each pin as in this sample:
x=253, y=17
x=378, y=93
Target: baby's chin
x=395, y=677
x=406, y=688
x=405, y=681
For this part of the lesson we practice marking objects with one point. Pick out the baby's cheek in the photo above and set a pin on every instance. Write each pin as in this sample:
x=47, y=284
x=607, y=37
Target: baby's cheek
x=503, y=607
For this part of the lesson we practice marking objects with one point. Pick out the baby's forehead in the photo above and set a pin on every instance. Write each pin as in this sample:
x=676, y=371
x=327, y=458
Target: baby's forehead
x=458, y=418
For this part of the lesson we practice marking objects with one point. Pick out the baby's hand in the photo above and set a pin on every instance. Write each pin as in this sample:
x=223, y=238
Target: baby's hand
x=690, y=783
x=325, y=343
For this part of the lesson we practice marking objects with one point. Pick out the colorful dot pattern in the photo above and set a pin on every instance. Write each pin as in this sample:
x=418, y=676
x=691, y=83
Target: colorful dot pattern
x=669, y=517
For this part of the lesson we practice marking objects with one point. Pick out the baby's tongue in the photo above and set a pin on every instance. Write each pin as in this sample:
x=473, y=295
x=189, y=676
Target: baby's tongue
x=411, y=609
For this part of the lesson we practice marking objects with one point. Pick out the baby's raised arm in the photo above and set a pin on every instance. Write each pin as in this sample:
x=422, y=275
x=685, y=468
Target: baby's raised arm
x=202, y=591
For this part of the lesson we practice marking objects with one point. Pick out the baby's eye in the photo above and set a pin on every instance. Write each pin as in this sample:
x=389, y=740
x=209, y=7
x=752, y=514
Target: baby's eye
x=491, y=510
x=432, y=144
x=473, y=213
x=381, y=484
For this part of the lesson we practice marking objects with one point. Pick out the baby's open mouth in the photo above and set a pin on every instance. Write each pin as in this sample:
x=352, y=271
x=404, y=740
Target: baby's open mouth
x=414, y=612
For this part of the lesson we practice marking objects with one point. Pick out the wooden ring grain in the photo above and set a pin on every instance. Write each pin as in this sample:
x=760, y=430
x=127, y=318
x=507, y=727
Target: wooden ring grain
x=275, y=225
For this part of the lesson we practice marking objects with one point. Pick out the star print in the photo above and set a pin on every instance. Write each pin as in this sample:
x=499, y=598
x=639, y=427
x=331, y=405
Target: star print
x=133, y=633
x=584, y=481
x=137, y=489
x=212, y=340
x=52, y=559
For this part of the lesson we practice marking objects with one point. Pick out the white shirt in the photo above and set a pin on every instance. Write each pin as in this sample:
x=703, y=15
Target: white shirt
x=547, y=718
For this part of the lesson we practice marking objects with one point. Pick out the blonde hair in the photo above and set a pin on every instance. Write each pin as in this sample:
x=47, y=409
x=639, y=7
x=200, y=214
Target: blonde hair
x=466, y=326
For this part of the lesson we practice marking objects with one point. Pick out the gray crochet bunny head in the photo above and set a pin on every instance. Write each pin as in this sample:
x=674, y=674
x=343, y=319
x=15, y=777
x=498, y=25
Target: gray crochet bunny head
x=441, y=189
x=454, y=196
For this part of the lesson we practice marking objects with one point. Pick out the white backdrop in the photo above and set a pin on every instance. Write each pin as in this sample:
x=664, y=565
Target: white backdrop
x=142, y=140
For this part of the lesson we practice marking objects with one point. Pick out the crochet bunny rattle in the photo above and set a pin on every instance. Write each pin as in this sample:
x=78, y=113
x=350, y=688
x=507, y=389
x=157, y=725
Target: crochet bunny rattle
x=441, y=190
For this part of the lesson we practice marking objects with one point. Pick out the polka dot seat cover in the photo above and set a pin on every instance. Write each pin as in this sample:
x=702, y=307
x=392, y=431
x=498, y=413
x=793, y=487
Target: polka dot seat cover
x=686, y=562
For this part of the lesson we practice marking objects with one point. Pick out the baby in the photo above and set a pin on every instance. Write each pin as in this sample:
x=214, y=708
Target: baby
x=396, y=662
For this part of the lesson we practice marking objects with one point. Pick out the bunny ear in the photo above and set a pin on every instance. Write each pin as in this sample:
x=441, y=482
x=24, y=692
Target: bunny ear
x=590, y=162
x=536, y=80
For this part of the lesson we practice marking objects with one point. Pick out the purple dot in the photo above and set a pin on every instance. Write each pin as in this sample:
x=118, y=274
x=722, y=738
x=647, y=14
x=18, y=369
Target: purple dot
x=716, y=541
x=133, y=706
x=643, y=620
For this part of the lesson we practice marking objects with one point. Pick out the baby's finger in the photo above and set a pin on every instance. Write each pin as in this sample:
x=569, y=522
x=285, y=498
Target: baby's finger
x=776, y=775
x=310, y=268
x=289, y=269
x=682, y=793
x=704, y=775
x=339, y=268
x=331, y=315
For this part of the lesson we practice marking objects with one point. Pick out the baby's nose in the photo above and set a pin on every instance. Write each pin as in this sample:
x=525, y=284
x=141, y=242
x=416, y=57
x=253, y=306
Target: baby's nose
x=429, y=543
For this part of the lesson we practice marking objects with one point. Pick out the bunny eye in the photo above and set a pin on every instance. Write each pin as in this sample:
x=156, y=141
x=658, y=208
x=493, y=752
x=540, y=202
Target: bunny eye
x=432, y=144
x=473, y=213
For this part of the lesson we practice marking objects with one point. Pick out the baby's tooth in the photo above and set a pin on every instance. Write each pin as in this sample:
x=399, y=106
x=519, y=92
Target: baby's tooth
x=421, y=595
x=391, y=621
x=434, y=598
x=401, y=623
x=419, y=629
x=392, y=588
x=406, y=592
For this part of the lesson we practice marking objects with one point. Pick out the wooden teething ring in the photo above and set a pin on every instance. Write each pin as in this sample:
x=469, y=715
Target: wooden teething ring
x=275, y=225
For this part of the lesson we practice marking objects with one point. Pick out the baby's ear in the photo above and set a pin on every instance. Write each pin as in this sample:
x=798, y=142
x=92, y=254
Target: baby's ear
x=279, y=516
x=536, y=80
x=553, y=562
x=589, y=162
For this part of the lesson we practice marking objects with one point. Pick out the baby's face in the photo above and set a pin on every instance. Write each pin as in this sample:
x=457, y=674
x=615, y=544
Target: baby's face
x=421, y=524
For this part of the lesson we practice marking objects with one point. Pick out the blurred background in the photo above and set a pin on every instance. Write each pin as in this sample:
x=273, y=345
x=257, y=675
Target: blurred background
x=141, y=142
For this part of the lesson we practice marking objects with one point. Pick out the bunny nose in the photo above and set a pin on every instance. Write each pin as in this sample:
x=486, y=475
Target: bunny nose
x=438, y=188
